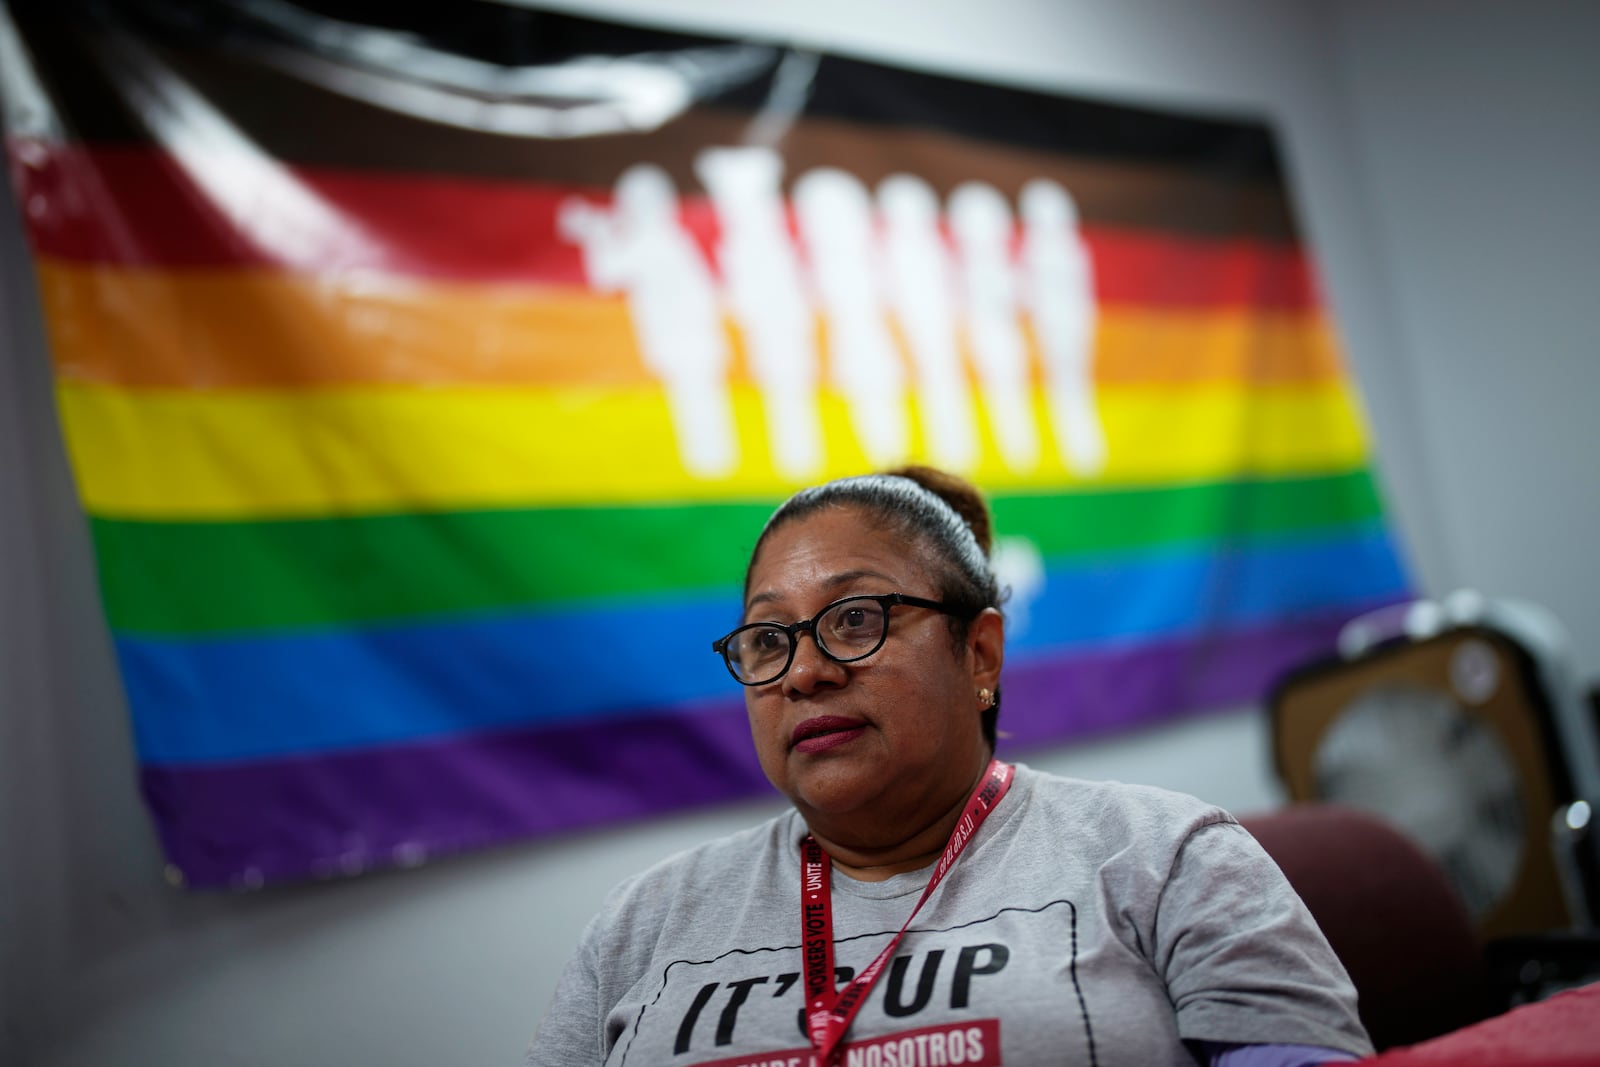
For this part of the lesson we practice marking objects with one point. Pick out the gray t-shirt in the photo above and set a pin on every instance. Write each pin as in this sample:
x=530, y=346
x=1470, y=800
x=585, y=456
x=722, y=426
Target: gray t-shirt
x=1087, y=923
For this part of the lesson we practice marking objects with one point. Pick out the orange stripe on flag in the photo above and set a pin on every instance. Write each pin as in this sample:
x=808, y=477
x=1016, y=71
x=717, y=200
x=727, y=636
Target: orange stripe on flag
x=232, y=329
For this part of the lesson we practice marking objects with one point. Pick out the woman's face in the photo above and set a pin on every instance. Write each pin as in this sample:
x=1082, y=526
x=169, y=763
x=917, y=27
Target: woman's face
x=888, y=739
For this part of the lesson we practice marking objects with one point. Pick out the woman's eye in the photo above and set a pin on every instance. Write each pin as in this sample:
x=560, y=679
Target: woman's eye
x=768, y=640
x=855, y=622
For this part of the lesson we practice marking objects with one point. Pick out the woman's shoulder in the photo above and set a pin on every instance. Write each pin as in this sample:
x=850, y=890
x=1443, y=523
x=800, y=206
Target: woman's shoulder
x=1119, y=810
x=711, y=864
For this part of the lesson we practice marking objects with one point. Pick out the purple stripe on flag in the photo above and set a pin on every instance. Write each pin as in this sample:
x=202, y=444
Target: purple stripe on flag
x=246, y=824
x=1049, y=700
x=252, y=823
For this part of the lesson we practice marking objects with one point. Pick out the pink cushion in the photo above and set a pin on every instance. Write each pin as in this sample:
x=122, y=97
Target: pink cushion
x=1561, y=1031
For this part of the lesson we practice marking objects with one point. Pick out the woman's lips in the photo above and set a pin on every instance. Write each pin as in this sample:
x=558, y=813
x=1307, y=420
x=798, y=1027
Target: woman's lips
x=825, y=732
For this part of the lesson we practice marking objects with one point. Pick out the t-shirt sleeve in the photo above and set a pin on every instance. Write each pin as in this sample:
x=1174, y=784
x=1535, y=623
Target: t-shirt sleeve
x=572, y=1030
x=1243, y=960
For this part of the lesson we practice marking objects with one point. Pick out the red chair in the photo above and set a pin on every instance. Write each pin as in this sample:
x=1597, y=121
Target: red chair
x=1390, y=914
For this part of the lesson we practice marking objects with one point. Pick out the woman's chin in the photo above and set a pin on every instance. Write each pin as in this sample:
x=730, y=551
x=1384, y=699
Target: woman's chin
x=832, y=785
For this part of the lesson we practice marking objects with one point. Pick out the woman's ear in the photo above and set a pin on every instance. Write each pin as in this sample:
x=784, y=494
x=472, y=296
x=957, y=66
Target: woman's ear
x=986, y=641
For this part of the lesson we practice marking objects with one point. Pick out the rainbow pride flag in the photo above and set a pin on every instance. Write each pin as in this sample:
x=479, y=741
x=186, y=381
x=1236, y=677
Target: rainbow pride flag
x=426, y=388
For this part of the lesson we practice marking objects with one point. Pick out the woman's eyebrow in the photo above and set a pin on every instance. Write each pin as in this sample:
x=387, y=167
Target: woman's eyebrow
x=833, y=581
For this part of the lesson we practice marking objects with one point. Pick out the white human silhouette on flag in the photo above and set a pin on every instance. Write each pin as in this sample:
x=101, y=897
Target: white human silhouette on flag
x=981, y=222
x=922, y=294
x=639, y=248
x=836, y=221
x=1059, y=290
x=761, y=274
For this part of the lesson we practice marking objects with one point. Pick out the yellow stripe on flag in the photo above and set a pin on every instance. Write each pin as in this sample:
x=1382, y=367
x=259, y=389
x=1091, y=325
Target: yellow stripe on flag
x=185, y=454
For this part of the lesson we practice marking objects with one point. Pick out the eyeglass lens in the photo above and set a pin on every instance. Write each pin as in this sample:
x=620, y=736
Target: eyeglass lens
x=847, y=630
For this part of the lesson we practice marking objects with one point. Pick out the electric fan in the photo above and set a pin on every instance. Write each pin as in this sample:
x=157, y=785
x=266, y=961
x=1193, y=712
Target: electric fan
x=1450, y=738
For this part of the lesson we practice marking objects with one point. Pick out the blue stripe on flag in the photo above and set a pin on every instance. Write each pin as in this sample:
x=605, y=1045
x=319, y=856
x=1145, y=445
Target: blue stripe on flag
x=244, y=698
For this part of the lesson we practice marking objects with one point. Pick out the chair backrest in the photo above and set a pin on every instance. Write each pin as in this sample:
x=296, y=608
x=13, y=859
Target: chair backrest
x=1390, y=914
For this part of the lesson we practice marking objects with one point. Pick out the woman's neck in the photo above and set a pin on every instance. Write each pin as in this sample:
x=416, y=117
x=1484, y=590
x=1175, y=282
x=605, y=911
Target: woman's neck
x=863, y=871
x=875, y=861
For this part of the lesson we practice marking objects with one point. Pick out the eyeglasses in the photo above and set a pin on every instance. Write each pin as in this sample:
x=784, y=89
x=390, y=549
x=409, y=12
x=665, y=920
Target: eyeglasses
x=845, y=631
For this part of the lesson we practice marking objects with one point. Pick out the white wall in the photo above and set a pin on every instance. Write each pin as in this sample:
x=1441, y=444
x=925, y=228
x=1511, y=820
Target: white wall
x=1437, y=154
x=1478, y=128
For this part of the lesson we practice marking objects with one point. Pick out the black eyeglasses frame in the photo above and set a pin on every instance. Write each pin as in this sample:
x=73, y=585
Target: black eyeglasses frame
x=794, y=629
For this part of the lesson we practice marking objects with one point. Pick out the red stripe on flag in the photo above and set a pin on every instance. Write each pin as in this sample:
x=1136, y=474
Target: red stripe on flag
x=138, y=207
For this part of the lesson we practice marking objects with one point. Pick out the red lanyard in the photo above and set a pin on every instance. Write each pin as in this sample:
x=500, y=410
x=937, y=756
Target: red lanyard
x=829, y=1011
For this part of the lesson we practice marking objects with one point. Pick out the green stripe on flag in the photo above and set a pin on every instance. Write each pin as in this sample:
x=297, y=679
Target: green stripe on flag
x=1094, y=523
x=218, y=578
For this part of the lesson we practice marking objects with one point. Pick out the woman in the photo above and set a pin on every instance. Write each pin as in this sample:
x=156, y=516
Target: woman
x=924, y=904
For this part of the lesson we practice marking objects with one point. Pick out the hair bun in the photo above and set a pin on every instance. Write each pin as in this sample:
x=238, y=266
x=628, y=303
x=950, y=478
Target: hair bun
x=962, y=496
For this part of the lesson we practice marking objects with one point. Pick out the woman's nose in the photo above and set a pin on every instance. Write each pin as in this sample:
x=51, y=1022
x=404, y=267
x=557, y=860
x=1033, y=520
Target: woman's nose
x=812, y=668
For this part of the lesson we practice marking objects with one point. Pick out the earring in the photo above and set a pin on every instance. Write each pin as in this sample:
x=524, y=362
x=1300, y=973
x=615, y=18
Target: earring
x=985, y=698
